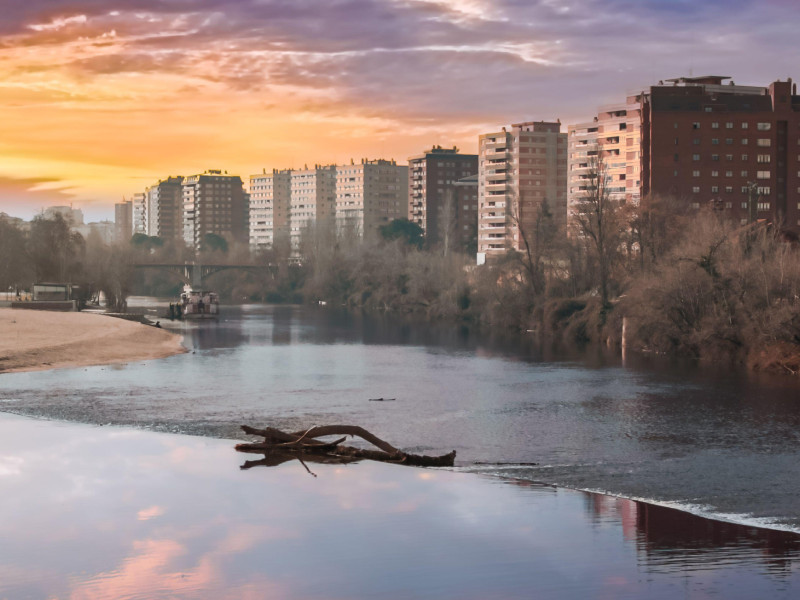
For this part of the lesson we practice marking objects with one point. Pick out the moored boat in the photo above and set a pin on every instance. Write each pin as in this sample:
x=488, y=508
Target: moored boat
x=195, y=304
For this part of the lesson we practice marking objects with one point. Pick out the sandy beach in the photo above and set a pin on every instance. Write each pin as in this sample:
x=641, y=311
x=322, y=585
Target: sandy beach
x=32, y=340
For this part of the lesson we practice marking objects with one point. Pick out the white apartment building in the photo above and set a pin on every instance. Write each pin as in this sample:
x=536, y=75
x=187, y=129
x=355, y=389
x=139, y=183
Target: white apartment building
x=270, y=199
x=518, y=171
x=313, y=199
x=140, y=213
x=370, y=194
x=610, y=143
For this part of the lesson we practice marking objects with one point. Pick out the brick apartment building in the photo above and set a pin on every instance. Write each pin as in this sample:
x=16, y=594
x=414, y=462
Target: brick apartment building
x=165, y=208
x=519, y=170
x=706, y=141
x=216, y=203
x=432, y=178
x=702, y=140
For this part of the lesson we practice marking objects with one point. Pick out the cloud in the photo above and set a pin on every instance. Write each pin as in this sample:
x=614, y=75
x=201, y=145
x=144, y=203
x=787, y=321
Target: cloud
x=183, y=71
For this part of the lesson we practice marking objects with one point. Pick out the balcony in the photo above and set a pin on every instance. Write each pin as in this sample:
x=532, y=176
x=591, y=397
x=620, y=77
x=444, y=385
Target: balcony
x=501, y=187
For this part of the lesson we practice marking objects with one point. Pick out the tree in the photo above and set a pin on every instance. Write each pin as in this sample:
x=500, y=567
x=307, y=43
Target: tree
x=15, y=268
x=408, y=232
x=598, y=221
x=55, y=251
x=215, y=243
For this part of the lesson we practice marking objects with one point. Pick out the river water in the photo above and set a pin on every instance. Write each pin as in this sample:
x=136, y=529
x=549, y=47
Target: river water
x=719, y=444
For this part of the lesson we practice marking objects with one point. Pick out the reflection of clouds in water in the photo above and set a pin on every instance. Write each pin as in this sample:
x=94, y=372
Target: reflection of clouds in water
x=11, y=465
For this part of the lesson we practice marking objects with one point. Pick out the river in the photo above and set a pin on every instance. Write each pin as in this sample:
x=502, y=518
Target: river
x=715, y=443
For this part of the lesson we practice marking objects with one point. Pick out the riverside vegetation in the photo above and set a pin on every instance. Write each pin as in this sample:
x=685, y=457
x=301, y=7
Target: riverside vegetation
x=697, y=285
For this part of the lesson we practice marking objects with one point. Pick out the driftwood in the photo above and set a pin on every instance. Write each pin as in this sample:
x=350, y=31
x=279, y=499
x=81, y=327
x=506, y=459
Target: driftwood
x=279, y=446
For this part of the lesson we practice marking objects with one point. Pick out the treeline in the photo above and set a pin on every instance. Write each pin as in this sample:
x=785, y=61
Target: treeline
x=697, y=285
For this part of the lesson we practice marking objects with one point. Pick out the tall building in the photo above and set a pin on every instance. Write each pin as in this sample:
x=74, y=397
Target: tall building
x=139, y=201
x=370, y=194
x=313, y=200
x=214, y=203
x=431, y=179
x=736, y=147
x=164, y=212
x=270, y=199
x=465, y=213
x=123, y=221
x=74, y=216
x=519, y=171
x=613, y=139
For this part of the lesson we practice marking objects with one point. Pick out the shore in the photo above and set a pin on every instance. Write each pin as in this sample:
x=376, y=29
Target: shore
x=32, y=340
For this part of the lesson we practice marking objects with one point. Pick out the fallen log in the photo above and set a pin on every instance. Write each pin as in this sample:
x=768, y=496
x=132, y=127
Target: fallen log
x=305, y=443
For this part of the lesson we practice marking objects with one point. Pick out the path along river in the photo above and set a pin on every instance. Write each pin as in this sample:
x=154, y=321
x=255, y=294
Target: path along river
x=719, y=444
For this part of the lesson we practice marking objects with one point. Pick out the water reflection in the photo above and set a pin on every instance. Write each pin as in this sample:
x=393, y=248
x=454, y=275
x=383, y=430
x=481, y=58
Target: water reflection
x=672, y=540
x=107, y=513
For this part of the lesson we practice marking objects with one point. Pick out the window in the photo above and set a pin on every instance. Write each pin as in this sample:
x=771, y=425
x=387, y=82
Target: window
x=743, y=173
x=764, y=191
x=764, y=158
x=729, y=157
x=744, y=141
x=714, y=189
x=745, y=157
x=696, y=141
x=715, y=141
x=764, y=142
x=695, y=125
x=745, y=125
x=763, y=206
x=729, y=125
x=715, y=125
x=728, y=173
x=764, y=126
x=695, y=173
x=744, y=204
x=694, y=156
x=715, y=157
x=715, y=173
x=763, y=175
x=729, y=141
x=695, y=205
x=708, y=109
x=729, y=205
x=696, y=189
x=729, y=190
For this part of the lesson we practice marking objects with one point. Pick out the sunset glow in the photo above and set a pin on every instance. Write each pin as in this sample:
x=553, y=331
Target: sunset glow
x=100, y=99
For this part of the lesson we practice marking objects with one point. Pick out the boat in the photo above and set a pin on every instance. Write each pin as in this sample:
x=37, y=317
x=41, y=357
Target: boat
x=195, y=304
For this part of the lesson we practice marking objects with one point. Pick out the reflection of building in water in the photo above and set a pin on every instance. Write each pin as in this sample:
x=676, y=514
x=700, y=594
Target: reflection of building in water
x=672, y=539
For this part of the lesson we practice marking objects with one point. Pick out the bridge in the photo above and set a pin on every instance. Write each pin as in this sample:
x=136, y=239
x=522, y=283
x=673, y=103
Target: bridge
x=195, y=274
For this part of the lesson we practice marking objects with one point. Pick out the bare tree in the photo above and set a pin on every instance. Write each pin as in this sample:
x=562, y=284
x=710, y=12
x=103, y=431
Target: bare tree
x=598, y=222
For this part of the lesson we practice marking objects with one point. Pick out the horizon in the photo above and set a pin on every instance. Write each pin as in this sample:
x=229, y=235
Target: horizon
x=104, y=99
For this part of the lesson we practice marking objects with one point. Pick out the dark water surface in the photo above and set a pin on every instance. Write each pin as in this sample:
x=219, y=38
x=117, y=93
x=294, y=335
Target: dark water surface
x=722, y=444
x=106, y=513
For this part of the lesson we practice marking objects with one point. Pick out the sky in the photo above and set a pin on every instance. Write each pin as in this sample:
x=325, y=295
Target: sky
x=101, y=98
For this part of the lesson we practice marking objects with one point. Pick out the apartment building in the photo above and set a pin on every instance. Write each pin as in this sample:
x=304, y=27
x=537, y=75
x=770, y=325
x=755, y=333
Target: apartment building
x=370, y=194
x=140, y=221
x=519, y=170
x=164, y=209
x=123, y=220
x=611, y=144
x=312, y=200
x=214, y=203
x=707, y=141
x=270, y=200
x=432, y=176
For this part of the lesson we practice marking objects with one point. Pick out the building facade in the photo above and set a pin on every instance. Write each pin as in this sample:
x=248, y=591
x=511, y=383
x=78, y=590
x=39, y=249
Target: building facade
x=520, y=170
x=707, y=141
x=370, y=194
x=270, y=199
x=431, y=181
x=312, y=200
x=123, y=221
x=140, y=221
x=214, y=203
x=165, y=209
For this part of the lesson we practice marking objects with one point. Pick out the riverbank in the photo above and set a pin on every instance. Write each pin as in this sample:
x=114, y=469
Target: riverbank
x=35, y=340
x=109, y=512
